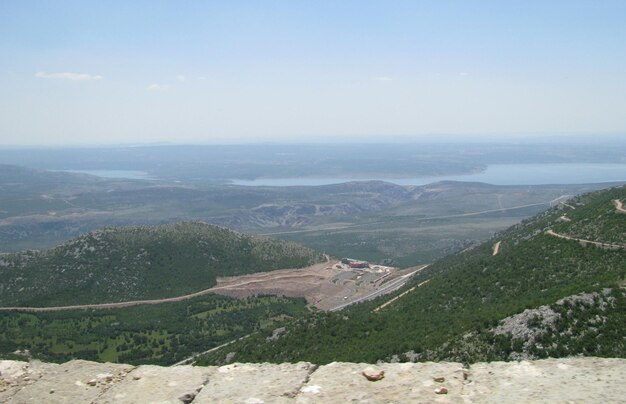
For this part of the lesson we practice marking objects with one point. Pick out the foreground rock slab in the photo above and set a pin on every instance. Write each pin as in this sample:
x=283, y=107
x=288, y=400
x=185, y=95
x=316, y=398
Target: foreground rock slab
x=567, y=380
x=157, y=384
x=402, y=382
x=76, y=381
x=16, y=375
x=255, y=383
x=571, y=380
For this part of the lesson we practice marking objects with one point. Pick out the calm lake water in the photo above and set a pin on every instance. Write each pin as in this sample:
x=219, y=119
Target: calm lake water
x=497, y=174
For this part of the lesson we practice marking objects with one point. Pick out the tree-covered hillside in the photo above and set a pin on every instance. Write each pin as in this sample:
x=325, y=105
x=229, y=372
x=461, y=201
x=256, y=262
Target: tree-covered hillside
x=158, y=334
x=455, y=314
x=141, y=262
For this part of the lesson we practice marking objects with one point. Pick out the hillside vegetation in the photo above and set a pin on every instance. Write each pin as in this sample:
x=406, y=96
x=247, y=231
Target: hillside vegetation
x=460, y=312
x=157, y=334
x=141, y=262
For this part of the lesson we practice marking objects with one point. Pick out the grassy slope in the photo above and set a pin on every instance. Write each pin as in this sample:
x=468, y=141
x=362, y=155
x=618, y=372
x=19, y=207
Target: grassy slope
x=467, y=292
x=142, y=262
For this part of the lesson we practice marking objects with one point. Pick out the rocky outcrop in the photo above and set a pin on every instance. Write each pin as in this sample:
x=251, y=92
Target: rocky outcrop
x=578, y=380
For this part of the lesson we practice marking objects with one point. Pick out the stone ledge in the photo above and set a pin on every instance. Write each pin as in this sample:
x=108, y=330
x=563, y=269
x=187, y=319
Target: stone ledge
x=589, y=380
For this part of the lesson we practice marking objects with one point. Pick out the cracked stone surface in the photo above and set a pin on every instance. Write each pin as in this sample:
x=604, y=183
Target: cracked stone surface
x=567, y=380
x=570, y=380
x=402, y=382
x=15, y=375
x=75, y=381
x=255, y=383
x=157, y=384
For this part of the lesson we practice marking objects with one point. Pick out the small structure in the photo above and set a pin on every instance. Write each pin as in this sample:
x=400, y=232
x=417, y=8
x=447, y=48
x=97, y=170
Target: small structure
x=355, y=264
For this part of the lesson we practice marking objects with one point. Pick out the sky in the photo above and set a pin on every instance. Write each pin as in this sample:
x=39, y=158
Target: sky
x=123, y=72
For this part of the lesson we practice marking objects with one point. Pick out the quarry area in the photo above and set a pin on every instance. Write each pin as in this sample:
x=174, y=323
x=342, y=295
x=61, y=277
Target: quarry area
x=331, y=285
x=567, y=380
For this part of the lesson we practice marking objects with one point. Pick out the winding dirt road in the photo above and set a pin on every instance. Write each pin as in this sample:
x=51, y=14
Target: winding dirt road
x=581, y=240
x=382, y=306
x=191, y=360
x=101, y=306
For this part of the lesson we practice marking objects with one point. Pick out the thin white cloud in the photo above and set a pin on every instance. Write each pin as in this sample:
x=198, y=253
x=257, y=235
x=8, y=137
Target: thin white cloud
x=68, y=76
x=382, y=78
x=180, y=77
x=156, y=87
x=463, y=74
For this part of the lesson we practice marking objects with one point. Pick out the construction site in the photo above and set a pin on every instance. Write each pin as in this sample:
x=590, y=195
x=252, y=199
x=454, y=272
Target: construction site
x=329, y=286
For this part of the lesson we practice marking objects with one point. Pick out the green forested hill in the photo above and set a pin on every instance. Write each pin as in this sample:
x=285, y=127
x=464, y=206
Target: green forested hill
x=158, y=334
x=141, y=262
x=591, y=218
x=457, y=313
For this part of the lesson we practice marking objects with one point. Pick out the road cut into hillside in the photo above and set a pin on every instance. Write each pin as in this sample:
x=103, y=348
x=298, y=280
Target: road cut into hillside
x=496, y=248
x=583, y=241
x=302, y=272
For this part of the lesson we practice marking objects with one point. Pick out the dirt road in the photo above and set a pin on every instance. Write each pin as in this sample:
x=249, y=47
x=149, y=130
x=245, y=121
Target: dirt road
x=192, y=358
x=313, y=283
x=101, y=306
x=619, y=206
x=274, y=275
x=604, y=245
x=496, y=248
x=382, y=306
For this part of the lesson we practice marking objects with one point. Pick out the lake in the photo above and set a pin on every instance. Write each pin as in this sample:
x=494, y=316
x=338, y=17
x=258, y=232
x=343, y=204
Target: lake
x=497, y=174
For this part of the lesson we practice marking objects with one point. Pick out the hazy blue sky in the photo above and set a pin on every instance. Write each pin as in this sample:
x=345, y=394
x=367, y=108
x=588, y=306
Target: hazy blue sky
x=229, y=71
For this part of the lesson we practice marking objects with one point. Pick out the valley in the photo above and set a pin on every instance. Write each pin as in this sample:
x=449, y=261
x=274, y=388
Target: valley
x=312, y=201
x=436, y=254
x=380, y=222
x=456, y=304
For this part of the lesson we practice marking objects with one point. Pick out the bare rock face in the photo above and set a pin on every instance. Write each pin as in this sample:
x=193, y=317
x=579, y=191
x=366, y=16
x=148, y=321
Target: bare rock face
x=255, y=383
x=69, y=382
x=157, y=384
x=403, y=382
x=518, y=324
x=580, y=380
x=16, y=375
